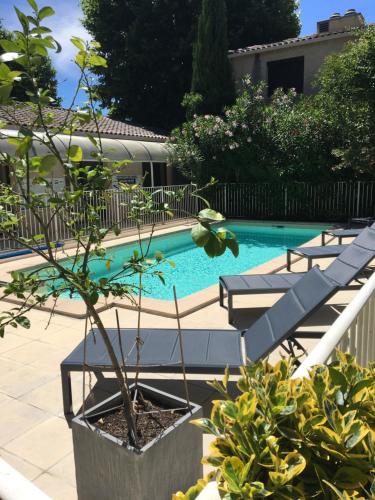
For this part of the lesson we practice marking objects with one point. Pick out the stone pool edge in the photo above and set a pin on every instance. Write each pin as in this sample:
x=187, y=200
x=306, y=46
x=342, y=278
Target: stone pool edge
x=165, y=308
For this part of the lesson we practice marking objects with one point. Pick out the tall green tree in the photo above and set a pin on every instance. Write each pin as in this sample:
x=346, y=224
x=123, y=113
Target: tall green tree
x=212, y=73
x=148, y=45
x=46, y=75
x=346, y=85
x=260, y=21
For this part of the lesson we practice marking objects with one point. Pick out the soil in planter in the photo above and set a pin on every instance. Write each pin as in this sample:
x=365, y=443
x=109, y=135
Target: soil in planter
x=151, y=420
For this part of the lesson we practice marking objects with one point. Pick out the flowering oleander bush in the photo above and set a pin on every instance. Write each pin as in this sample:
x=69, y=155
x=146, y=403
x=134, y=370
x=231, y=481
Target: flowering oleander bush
x=302, y=438
x=328, y=136
x=255, y=140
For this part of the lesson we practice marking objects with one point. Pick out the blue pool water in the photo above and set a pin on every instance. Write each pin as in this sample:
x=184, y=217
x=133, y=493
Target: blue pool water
x=194, y=270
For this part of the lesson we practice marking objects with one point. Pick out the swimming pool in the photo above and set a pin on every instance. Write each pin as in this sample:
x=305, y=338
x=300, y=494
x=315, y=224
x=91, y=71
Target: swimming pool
x=194, y=270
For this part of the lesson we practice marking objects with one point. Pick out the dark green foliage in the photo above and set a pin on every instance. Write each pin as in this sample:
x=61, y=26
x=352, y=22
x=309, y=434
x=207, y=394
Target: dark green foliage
x=257, y=141
x=347, y=92
x=148, y=45
x=259, y=21
x=212, y=74
x=46, y=76
x=329, y=136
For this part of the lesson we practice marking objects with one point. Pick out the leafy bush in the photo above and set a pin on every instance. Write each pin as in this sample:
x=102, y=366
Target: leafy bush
x=302, y=438
x=346, y=85
x=257, y=140
x=327, y=136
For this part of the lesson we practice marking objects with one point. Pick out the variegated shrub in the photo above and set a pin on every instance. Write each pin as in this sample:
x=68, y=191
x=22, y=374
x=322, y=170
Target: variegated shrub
x=303, y=438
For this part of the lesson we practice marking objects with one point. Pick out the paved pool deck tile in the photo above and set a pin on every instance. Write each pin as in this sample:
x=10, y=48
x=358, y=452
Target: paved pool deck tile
x=35, y=438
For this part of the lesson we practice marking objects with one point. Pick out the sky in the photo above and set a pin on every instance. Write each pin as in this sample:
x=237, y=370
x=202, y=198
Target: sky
x=66, y=23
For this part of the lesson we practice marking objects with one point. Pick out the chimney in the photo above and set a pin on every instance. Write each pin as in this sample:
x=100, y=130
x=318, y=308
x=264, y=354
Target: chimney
x=351, y=20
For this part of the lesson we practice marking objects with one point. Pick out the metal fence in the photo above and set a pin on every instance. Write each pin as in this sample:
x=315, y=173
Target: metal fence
x=331, y=201
x=299, y=201
x=114, y=209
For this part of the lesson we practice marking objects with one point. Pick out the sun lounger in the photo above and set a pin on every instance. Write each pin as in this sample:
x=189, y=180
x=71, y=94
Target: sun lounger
x=312, y=253
x=348, y=265
x=340, y=234
x=205, y=351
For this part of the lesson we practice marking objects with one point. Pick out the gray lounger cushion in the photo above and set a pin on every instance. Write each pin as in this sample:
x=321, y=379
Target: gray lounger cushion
x=343, y=269
x=324, y=251
x=208, y=349
x=211, y=350
x=272, y=283
x=282, y=319
x=343, y=232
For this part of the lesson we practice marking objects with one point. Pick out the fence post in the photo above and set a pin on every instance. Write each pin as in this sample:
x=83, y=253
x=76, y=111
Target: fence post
x=286, y=201
x=162, y=201
x=225, y=199
x=358, y=198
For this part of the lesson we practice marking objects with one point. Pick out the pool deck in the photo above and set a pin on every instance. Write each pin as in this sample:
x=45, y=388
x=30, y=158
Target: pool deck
x=166, y=308
x=34, y=436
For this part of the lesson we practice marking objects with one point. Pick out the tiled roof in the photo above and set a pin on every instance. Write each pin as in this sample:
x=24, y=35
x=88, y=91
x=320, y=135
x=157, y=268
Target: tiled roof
x=25, y=115
x=287, y=42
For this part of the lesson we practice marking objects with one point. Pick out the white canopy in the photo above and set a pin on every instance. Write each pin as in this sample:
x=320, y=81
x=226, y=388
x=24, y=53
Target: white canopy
x=114, y=149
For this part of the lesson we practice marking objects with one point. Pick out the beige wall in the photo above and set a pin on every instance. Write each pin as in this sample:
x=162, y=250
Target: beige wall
x=255, y=64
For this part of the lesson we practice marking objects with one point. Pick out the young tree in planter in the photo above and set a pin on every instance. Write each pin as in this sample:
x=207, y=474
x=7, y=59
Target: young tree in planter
x=79, y=212
x=212, y=74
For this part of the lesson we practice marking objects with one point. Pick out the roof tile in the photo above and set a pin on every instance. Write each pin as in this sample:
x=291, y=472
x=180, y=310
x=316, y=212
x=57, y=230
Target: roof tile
x=285, y=43
x=22, y=114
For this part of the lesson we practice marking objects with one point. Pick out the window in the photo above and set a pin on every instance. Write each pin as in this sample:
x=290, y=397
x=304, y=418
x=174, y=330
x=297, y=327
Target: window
x=286, y=74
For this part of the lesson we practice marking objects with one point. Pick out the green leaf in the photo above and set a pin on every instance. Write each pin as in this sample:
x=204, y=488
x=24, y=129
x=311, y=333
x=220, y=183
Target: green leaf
x=23, y=321
x=75, y=153
x=94, y=297
x=9, y=46
x=212, y=215
x=350, y=477
x=78, y=42
x=95, y=60
x=33, y=4
x=5, y=91
x=214, y=247
x=207, y=426
x=45, y=12
x=22, y=19
x=232, y=244
x=48, y=163
x=231, y=470
x=357, y=433
x=200, y=235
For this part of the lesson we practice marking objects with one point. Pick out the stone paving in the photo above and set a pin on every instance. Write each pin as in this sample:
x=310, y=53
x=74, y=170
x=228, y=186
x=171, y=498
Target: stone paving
x=34, y=436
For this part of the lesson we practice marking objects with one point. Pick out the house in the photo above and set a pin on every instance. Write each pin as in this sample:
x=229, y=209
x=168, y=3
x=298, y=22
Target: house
x=295, y=62
x=121, y=141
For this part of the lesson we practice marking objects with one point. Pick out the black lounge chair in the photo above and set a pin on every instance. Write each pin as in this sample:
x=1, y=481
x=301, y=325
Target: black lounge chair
x=340, y=234
x=311, y=253
x=348, y=265
x=206, y=351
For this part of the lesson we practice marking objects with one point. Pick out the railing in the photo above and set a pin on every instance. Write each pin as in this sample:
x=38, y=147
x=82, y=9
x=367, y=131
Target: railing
x=329, y=201
x=114, y=211
x=353, y=332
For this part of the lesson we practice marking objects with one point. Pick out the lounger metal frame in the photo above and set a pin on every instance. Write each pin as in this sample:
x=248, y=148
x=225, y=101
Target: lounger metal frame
x=205, y=351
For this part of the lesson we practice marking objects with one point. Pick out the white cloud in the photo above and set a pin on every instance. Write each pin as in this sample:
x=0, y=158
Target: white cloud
x=64, y=24
x=64, y=27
